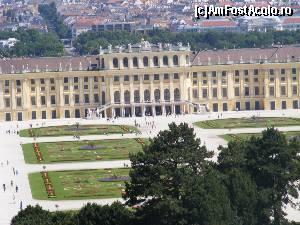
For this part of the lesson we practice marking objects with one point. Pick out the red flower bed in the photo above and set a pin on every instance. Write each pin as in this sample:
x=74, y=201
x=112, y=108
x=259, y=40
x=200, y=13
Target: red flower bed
x=37, y=151
x=48, y=185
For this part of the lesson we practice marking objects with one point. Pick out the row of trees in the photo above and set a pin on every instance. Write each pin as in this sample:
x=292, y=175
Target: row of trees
x=88, y=43
x=175, y=183
x=32, y=43
x=53, y=20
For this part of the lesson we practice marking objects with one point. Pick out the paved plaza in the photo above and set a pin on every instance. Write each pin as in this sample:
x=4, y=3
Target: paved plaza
x=13, y=167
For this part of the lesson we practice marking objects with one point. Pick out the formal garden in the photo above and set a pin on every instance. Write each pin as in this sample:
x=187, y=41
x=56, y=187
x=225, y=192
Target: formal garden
x=79, y=184
x=77, y=129
x=231, y=137
x=72, y=151
x=250, y=122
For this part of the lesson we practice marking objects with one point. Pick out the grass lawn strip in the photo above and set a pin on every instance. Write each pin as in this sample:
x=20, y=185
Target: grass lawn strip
x=79, y=184
x=69, y=130
x=249, y=122
x=53, y=152
x=230, y=137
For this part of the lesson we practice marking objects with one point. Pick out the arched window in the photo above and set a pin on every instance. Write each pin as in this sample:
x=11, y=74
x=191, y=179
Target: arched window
x=147, y=95
x=137, y=96
x=165, y=61
x=175, y=60
x=115, y=63
x=125, y=62
x=145, y=61
x=103, y=98
x=117, y=97
x=167, y=95
x=176, y=94
x=135, y=62
x=157, y=95
x=155, y=61
x=187, y=59
x=127, y=97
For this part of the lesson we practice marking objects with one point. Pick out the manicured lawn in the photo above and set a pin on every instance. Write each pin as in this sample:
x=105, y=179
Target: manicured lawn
x=54, y=152
x=230, y=137
x=249, y=122
x=68, y=130
x=79, y=184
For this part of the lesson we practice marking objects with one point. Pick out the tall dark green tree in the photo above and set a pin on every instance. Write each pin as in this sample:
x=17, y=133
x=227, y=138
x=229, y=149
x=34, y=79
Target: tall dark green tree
x=176, y=183
x=267, y=168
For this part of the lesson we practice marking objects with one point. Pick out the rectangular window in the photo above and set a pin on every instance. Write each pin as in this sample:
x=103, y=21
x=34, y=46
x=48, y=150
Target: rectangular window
x=195, y=75
x=247, y=93
x=176, y=76
x=282, y=90
x=195, y=93
x=136, y=78
x=272, y=105
x=85, y=87
x=247, y=105
x=96, y=98
x=53, y=114
x=75, y=87
x=215, y=92
x=214, y=74
x=255, y=71
x=204, y=93
x=282, y=79
x=146, y=76
x=282, y=71
x=20, y=116
x=42, y=81
x=19, y=101
x=7, y=117
x=255, y=80
x=86, y=98
x=156, y=76
x=204, y=82
x=66, y=80
x=95, y=79
x=52, y=80
x=236, y=73
x=6, y=83
x=33, y=115
x=7, y=102
x=18, y=82
x=283, y=105
x=66, y=88
x=256, y=90
x=67, y=113
x=116, y=78
x=52, y=100
x=32, y=81
x=76, y=99
x=33, y=102
x=225, y=107
x=166, y=76
x=44, y=115
x=67, y=100
x=246, y=72
x=223, y=73
x=86, y=79
x=236, y=91
x=272, y=91
x=295, y=104
x=224, y=92
x=102, y=79
x=295, y=90
x=75, y=80
x=204, y=74
x=43, y=100
x=77, y=113
x=271, y=79
x=126, y=77
x=294, y=71
x=271, y=71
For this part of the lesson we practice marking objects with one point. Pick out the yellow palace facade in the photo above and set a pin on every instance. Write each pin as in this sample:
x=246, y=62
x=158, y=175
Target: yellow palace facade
x=147, y=79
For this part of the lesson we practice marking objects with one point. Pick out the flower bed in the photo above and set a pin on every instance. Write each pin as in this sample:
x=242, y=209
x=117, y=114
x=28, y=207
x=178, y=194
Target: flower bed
x=37, y=152
x=140, y=141
x=48, y=185
x=114, y=179
x=235, y=137
x=125, y=128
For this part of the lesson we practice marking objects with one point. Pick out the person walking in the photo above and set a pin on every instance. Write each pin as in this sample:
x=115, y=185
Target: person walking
x=21, y=205
x=17, y=189
x=4, y=187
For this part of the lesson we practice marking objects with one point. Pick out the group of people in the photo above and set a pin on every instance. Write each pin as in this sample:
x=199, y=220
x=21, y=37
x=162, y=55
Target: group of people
x=11, y=187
